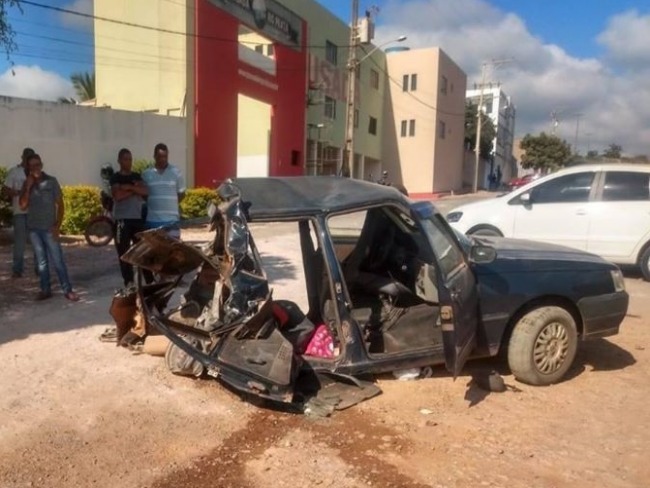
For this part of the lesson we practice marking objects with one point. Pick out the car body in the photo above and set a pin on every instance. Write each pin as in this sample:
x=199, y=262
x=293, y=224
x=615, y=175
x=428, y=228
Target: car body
x=603, y=209
x=515, y=183
x=389, y=279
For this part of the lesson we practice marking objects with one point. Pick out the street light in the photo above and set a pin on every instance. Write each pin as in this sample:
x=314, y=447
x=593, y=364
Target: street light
x=353, y=64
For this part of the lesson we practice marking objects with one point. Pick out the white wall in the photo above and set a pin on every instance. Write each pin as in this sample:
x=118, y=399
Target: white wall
x=74, y=142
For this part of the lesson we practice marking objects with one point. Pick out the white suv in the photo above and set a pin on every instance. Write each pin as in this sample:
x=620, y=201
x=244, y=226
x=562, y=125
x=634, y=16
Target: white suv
x=603, y=209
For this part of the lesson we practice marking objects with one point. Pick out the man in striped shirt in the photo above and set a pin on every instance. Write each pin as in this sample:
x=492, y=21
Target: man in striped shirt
x=166, y=189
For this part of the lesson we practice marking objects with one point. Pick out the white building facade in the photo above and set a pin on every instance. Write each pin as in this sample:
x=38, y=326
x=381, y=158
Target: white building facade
x=499, y=107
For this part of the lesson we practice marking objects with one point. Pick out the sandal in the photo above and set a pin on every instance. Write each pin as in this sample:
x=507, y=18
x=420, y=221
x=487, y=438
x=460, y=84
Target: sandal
x=109, y=335
x=72, y=296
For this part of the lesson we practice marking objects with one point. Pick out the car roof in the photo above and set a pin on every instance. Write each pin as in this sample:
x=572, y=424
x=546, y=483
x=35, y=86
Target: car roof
x=289, y=197
x=641, y=168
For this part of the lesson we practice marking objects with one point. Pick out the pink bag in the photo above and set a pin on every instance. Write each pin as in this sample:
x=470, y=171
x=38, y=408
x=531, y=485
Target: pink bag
x=321, y=344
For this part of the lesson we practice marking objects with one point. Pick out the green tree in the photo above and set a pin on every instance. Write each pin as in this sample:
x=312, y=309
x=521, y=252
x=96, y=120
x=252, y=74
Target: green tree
x=544, y=152
x=84, y=85
x=613, y=151
x=488, y=132
x=6, y=32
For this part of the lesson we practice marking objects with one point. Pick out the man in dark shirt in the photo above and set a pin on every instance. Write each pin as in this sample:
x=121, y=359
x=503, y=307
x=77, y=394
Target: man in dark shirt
x=42, y=198
x=128, y=191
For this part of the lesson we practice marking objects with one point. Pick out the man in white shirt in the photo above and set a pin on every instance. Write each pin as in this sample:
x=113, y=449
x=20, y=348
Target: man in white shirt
x=12, y=187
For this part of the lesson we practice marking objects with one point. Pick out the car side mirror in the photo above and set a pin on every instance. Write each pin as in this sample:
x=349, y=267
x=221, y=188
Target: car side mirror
x=525, y=198
x=481, y=254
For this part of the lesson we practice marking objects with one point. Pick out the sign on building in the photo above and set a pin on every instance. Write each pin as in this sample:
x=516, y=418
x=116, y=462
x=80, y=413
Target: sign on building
x=267, y=17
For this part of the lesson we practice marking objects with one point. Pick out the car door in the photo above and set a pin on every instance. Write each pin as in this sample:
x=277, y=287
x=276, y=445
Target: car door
x=557, y=210
x=621, y=215
x=457, y=290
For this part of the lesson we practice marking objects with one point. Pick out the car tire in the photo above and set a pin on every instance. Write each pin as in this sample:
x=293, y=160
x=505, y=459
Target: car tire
x=644, y=264
x=484, y=230
x=543, y=346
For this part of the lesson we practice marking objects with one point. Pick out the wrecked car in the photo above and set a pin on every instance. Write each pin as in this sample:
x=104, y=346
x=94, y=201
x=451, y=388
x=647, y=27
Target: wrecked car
x=389, y=286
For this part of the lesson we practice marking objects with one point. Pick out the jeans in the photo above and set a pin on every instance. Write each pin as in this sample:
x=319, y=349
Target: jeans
x=125, y=236
x=20, y=241
x=44, y=244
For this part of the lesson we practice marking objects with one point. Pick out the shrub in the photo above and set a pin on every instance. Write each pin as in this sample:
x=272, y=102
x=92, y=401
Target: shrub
x=140, y=165
x=195, y=203
x=5, y=203
x=81, y=204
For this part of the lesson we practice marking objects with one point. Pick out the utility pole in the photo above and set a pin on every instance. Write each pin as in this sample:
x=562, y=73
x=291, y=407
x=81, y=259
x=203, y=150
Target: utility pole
x=479, y=123
x=347, y=156
x=575, y=143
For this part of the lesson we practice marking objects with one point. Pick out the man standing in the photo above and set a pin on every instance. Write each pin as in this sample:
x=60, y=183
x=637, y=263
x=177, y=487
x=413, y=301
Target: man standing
x=13, y=185
x=42, y=198
x=128, y=192
x=166, y=189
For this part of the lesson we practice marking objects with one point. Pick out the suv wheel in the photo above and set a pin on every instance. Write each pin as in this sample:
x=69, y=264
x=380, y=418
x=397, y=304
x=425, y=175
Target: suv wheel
x=485, y=230
x=644, y=264
x=543, y=346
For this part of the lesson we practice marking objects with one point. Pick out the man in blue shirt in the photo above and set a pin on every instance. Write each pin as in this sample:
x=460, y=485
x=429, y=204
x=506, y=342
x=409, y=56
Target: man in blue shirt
x=166, y=189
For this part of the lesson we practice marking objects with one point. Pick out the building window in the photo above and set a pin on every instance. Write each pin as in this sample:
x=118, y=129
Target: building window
x=331, y=52
x=410, y=82
x=356, y=117
x=259, y=48
x=270, y=50
x=443, y=85
x=330, y=108
x=412, y=128
x=488, y=107
x=442, y=129
x=374, y=79
x=372, y=126
x=404, y=128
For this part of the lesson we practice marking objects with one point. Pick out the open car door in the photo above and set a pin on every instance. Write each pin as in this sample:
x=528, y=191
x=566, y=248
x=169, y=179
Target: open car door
x=457, y=290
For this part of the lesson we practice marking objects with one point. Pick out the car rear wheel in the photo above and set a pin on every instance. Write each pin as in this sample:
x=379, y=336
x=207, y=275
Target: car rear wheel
x=485, y=230
x=543, y=346
x=644, y=264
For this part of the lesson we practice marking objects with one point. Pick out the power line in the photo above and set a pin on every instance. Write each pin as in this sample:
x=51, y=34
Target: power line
x=146, y=27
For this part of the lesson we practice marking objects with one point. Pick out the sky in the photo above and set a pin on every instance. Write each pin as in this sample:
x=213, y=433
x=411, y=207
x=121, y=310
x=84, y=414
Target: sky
x=587, y=57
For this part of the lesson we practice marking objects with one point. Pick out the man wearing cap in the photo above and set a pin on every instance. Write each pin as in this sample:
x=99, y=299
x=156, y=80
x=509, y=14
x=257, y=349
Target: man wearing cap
x=12, y=187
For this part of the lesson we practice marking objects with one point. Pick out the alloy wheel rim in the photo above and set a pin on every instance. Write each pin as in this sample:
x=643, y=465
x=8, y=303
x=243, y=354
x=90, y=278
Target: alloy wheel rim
x=551, y=348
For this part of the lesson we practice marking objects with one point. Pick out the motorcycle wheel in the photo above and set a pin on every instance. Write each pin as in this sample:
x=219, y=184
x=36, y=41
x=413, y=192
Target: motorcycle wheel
x=99, y=231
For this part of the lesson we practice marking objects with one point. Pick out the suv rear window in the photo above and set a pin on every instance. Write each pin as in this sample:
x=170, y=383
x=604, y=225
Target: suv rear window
x=625, y=186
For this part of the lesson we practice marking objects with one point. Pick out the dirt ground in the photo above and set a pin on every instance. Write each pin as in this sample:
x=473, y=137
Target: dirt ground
x=76, y=412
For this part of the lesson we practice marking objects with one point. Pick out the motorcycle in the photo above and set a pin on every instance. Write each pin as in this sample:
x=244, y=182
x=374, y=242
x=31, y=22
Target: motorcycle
x=384, y=181
x=100, y=230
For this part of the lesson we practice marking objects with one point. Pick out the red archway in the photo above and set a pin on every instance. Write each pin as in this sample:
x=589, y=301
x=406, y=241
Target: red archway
x=220, y=76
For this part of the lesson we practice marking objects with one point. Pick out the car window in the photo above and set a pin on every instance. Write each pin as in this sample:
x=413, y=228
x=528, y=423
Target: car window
x=622, y=186
x=565, y=189
x=448, y=254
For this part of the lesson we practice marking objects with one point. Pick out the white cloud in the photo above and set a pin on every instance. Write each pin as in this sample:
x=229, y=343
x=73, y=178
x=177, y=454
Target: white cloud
x=34, y=82
x=77, y=21
x=627, y=39
x=543, y=77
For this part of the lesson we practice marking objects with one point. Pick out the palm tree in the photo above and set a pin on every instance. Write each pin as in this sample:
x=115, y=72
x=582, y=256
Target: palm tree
x=84, y=85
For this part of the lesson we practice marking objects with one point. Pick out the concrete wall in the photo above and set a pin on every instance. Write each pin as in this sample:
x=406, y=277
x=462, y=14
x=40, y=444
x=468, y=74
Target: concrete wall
x=75, y=141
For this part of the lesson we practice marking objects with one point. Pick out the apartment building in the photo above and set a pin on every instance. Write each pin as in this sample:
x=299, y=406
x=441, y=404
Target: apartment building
x=425, y=118
x=499, y=107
